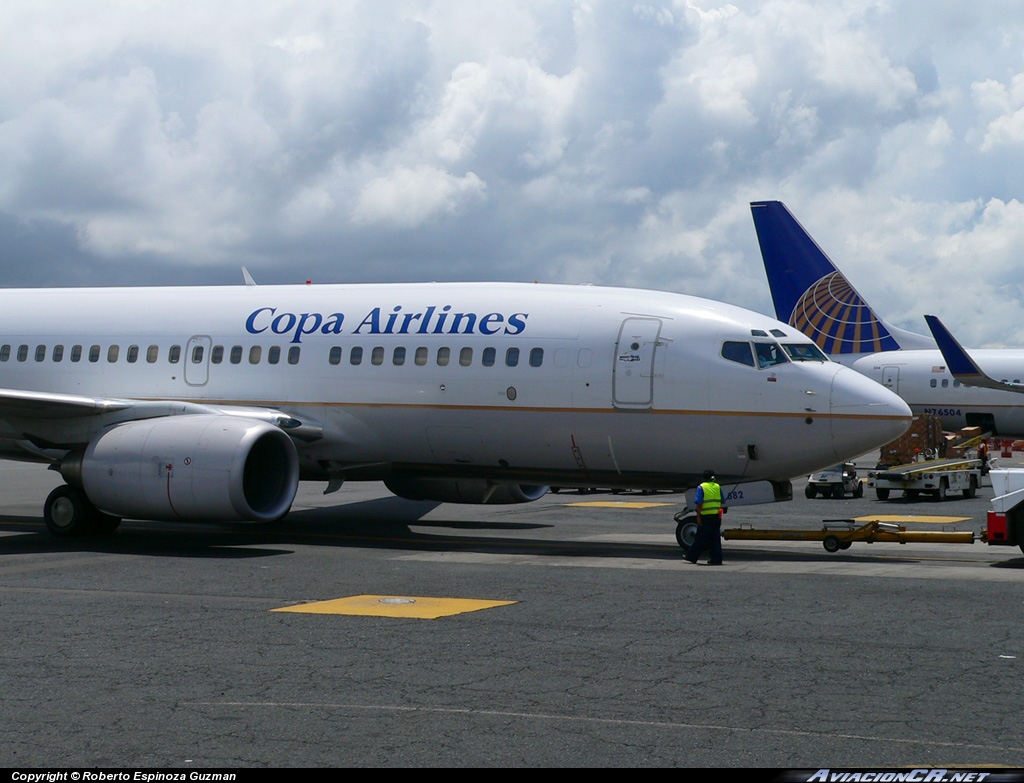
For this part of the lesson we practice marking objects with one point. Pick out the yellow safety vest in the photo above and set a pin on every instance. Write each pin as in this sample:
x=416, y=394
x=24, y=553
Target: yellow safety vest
x=712, y=498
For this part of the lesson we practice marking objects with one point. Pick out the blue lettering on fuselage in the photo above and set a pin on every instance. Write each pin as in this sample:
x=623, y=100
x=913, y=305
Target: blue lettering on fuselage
x=433, y=320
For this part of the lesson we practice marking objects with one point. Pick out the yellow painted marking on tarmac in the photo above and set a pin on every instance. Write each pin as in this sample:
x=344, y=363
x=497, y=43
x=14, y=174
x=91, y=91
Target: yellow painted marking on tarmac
x=924, y=519
x=395, y=606
x=617, y=504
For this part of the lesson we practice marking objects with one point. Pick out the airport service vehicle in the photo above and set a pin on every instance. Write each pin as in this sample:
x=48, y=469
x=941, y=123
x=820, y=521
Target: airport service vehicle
x=835, y=482
x=1006, y=513
x=810, y=293
x=938, y=478
x=211, y=403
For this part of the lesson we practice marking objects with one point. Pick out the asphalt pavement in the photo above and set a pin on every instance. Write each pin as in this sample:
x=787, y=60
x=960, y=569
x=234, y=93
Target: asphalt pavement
x=365, y=630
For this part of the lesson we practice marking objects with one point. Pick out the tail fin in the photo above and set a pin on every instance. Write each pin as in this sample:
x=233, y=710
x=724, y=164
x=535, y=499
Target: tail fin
x=811, y=294
x=961, y=365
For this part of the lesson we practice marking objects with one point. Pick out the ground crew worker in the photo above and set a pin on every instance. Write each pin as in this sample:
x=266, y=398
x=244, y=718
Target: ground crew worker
x=709, y=521
x=983, y=456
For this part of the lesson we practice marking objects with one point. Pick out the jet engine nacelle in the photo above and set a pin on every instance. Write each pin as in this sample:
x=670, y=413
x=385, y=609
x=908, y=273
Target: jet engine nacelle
x=193, y=467
x=464, y=491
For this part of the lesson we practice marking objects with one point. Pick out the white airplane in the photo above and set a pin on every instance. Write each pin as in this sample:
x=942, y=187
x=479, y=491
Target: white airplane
x=210, y=404
x=811, y=294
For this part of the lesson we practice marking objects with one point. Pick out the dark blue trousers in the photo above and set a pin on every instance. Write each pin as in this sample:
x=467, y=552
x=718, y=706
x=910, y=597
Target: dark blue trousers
x=709, y=534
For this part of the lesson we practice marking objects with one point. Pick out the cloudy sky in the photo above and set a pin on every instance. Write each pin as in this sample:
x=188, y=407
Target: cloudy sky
x=613, y=143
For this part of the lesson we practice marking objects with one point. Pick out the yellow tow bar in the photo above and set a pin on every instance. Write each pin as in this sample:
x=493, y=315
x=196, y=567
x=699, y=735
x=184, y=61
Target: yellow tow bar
x=836, y=534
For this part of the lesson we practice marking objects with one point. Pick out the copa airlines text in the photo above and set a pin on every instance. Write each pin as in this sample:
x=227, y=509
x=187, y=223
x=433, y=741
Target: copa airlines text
x=433, y=320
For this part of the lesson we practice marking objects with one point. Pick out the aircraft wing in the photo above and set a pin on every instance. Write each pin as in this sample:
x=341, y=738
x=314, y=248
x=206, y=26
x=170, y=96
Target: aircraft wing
x=45, y=418
x=45, y=405
x=961, y=365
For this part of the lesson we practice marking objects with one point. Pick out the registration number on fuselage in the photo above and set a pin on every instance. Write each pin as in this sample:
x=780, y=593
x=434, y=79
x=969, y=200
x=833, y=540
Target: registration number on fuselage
x=942, y=411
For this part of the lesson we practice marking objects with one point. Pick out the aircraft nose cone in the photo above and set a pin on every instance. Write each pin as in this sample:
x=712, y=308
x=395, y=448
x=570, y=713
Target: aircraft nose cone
x=865, y=415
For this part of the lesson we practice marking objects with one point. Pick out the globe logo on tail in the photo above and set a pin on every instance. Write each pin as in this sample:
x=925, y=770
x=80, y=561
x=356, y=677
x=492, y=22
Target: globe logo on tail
x=834, y=315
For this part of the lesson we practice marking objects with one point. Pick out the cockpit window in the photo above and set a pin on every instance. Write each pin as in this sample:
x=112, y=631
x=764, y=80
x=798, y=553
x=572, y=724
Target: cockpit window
x=769, y=354
x=738, y=352
x=778, y=333
x=805, y=352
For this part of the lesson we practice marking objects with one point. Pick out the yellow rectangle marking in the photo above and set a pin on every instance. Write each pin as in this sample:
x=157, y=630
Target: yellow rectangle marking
x=617, y=504
x=926, y=519
x=395, y=606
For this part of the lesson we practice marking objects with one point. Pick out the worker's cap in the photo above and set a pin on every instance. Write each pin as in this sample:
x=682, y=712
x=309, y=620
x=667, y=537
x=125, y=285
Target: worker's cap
x=709, y=475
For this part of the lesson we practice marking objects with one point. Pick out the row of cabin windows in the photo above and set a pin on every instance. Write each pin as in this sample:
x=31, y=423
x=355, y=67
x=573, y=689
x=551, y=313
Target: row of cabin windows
x=488, y=356
x=152, y=354
x=443, y=357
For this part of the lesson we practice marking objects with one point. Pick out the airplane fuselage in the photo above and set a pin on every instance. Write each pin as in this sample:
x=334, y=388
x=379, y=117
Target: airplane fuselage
x=484, y=384
x=923, y=380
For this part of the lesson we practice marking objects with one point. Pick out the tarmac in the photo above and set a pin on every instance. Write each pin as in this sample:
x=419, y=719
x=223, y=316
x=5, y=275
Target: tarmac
x=365, y=630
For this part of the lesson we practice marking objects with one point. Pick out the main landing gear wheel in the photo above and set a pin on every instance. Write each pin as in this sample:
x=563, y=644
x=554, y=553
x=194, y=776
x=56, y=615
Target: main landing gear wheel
x=68, y=512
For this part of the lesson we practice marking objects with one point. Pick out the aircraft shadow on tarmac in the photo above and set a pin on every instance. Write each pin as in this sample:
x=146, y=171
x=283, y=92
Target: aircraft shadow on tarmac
x=384, y=523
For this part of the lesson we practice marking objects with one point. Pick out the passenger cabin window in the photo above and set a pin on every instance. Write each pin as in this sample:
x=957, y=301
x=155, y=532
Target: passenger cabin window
x=398, y=357
x=512, y=357
x=152, y=354
x=769, y=354
x=536, y=357
x=356, y=356
x=58, y=353
x=40, y=353
x=94, y=353
x=487, y=357
x=197, y=354
x=945, y=383
x=254, y=354
x=217, y=354
x=443, y=355
x=335, y=355
x=804, y=352
x=133, y=354
x=174, y=355
x=738, y=352
x=466, y=357
x=421, y=356
x=293, y=354
x=933, y=383
x=76, y=353
x=377, y=355
x=274, y=354
x=236, y=354
x=112, y=353
x=5, y=353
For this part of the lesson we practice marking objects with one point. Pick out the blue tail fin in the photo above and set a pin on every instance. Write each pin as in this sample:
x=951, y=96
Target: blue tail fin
x=808, y=291
x=961, y=365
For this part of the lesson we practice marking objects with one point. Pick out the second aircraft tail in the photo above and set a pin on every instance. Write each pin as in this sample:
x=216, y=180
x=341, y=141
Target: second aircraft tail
x=811, y=294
